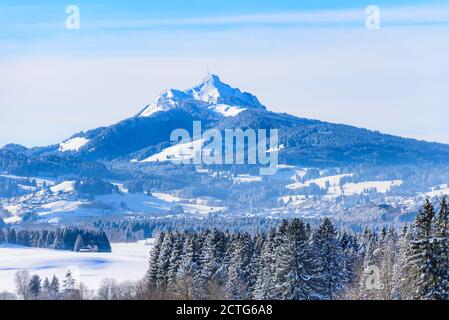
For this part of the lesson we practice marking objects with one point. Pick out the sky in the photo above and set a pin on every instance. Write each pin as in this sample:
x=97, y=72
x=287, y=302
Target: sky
x=313, y=59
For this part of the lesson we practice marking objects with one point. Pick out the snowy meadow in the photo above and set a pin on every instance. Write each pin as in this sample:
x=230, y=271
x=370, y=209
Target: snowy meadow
x=126, y=262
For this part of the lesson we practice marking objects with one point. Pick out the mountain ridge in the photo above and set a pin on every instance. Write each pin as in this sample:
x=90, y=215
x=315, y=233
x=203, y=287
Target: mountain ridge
x=306, y=141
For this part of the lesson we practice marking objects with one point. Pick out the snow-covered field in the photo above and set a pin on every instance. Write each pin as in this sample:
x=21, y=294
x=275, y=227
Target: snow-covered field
x=332, y=184
x=246, y=178
x=127, y=262
x=439, y=191
x=177, y=153
x=73, y=144
x=379, y=186
x=192, y=206
x=39, y=181
x=321, y=182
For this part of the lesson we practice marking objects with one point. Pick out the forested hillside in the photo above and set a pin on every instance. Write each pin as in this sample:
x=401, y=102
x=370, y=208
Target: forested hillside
x=297, y=262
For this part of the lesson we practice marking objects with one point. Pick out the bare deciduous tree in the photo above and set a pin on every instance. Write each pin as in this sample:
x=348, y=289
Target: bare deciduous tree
x=22, y=279
x=5, y=295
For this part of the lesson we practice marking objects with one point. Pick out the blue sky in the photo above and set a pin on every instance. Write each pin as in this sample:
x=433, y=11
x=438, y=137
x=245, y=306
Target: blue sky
x=313, y=59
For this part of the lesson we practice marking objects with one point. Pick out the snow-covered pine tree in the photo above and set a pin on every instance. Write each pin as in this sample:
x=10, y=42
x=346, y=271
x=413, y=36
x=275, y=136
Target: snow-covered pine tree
x=294, y=269
x=212, y=256
x=2, y=234
x=69, y=282
x=188, y=270
x=256, y=263
x=351, y=260
x=223, y=270
x=420, y=257
x=46, y=287
x=11, y=236
x=328, y=261
x=79, y=243
x=175, y=257
x=163, y=263
x=35, y=286
x=388, y=256
x=441, y=251
x=54, y=287
x=264, y=288
x=401, y=288
x=239, y=283
x=153, y=269
x=57, y=242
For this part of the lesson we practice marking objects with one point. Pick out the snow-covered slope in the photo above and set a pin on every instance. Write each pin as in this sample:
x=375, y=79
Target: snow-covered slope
x=211, y=94
x=73, y=144
x=378, y=186
x=228, y=111
x=330, y=181
x=440, y=191
x=176, y=153
x=66, y=186
x=334, y=187
x=40, y=182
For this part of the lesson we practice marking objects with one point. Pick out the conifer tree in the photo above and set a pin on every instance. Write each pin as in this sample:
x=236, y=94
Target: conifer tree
x=441, y=251
x=328, y=261
x=388, y=259
x=187, y=275
x=46, y=287
x=79, y=243
x=35, y=286
x=163, y=263
x=264, y=289
x=401, y=284
x=69, y=282
x=256, y=263
x=238, y=284
x=351, y=260
x=54, y=287
x=420, y=257
x=152, y=274
x=294, y=273
x=212, y=256
x=370, y=279
x=175, y=257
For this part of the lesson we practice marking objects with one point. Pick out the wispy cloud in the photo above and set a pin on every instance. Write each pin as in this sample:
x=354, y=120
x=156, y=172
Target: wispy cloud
x=390, y=16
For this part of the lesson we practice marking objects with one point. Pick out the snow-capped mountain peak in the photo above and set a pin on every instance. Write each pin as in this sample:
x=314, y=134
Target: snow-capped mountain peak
x=168, y=99
x=210, y=90
x=211, y=93
x=171, y=96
